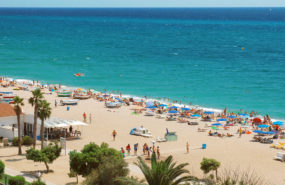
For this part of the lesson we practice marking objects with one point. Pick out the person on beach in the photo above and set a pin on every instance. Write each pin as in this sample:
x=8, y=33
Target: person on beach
x=148, y=151
x=90, y=118
x=144, y=148
x=70, y=129
x=135, y=148
x=187, y=147
x=128, y=148
x=55, y=103
x=114, y=135
x=153, y=149
x=158, y=152
x=84, y=117
x=240, y=132
x=123, y=152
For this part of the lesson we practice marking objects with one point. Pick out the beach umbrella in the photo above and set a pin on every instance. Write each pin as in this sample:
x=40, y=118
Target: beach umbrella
x=174, y=107
x=185, y=108
x=258, y=131
x=263, y=126
x=173, y=112
x=256, y=120
x=149, y=104
x=269, y=132
x=231, y=116
x=151, y=107
x=162, y=105
x=217, y=124
x=195, y=115
x=208, y=112
x=278, y=123
x=243, y=114
x=222, y=119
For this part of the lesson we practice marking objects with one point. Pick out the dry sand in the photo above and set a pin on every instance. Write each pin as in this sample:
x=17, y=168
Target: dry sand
x=232, y=152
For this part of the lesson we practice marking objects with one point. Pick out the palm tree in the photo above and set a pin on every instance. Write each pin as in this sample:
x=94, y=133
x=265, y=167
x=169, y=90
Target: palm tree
x=18, y=102
x=164, y=172
x=34, y=101
x=44, y=112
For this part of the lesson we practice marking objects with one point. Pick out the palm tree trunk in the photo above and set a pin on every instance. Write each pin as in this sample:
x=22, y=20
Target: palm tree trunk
x=35, y=125
x=42, y=134
x=19, y=135
x=47, y=166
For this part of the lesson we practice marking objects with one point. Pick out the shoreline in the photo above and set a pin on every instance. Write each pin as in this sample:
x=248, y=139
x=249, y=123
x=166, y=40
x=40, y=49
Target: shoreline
x=172, y=102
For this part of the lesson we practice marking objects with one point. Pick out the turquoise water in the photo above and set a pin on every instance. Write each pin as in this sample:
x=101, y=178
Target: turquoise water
x=154, y=52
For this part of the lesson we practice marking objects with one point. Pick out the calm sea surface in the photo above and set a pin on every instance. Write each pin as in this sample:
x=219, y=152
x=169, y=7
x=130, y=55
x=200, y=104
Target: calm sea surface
x=215, y=58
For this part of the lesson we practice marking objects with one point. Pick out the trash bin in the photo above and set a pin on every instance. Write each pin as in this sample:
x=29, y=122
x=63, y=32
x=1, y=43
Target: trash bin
x=204, y=146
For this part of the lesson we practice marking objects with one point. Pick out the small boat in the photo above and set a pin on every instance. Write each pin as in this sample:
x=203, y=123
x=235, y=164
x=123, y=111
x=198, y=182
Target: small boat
x=141, y=131
x=64, y=94
x=111, y=104
x=81, y=96
x=69, y=102
x=8, y=96
x=149, y=113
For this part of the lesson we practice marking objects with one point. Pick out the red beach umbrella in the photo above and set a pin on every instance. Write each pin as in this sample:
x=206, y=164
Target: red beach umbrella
x=257, y=120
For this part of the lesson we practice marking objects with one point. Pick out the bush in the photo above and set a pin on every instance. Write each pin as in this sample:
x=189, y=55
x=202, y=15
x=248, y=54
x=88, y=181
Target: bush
x=27, y=140
x=2, y=168
x=15, y=141
x=17, y=180
x=38, y=182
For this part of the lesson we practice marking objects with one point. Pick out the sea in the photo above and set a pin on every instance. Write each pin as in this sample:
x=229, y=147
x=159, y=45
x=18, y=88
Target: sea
x=211, y=57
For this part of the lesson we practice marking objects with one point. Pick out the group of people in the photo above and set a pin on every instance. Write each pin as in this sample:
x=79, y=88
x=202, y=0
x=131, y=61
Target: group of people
x=85, y=118
x=146, y=150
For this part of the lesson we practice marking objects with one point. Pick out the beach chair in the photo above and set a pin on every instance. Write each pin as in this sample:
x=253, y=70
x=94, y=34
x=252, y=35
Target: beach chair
x=280, y=156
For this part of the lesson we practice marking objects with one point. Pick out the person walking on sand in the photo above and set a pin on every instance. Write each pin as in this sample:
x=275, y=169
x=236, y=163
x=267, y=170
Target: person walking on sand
x=135, y=148
x=148, y=151
x=128, y=148
x=123, y=152
x=90, y=118
x=187, y=147
x=144, y=148
x=114, y=134
x=84, y=117
x=240, y=132
x=55, y=103
x=158, y=152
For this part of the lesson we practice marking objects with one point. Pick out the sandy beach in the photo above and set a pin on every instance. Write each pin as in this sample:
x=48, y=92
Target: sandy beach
x=234, y=152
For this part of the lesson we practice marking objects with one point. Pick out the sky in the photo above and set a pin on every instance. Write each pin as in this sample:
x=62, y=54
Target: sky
x=142, y=3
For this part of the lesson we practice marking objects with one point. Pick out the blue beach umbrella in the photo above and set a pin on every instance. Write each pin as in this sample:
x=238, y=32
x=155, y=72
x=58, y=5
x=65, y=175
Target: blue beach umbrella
x=217, y=124
x=263, y=126
x=173, y=112
x=208, y=112
x=185, y=108
x=258, y=131
x=195, y=115
x=222, y=119
x=231, y=116
x=151, y=107
x=162, y=105
x=242, y=114
x=270, y=132
x=174, y=107
x=278, y=123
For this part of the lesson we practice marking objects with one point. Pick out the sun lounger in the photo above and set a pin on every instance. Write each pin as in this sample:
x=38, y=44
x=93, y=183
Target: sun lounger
x=202, y=130
x=280, y=156
x=158, y=139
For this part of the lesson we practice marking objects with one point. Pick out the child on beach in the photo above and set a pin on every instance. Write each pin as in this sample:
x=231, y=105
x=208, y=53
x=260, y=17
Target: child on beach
x=114, y=134
x=187, y=147
x=128, y=148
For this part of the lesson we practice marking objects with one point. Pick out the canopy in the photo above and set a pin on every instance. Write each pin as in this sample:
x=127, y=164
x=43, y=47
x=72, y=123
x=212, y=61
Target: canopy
x=263, y=126
x=278, y=123
x=208, y=112
x=242, y=114
x=217, y=124
x=222, y=119
x=256, y=120
x=231, y=116
x=174, y=107
x=215, y=128
x=263, y=132
x=151, y=107
x=185, y=108
x=173, y=112
x=195, y=115
x=162, y=105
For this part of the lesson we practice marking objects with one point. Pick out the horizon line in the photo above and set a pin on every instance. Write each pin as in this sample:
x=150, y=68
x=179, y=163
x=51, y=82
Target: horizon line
x=144, y=7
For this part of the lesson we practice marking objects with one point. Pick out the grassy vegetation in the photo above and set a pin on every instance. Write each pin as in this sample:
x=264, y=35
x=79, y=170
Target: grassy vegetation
x=2, y=180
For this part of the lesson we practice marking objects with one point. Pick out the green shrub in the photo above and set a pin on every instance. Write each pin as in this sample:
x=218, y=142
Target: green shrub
x=15, y=141
x=17, y=180
x=38, y=182
x=2, y=168
x=27, y=140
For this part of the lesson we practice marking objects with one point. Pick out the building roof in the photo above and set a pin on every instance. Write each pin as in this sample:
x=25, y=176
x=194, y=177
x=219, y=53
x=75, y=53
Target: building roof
x=6, y=110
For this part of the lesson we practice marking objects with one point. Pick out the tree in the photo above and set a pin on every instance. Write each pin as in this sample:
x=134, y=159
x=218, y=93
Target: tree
x=44, y=112
x=90, y=157
x=18, y=102
x=47, y=154
x=107, y=172
x=163, y=172
x=208, y=165
x=2, y=168
x=34, y=101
